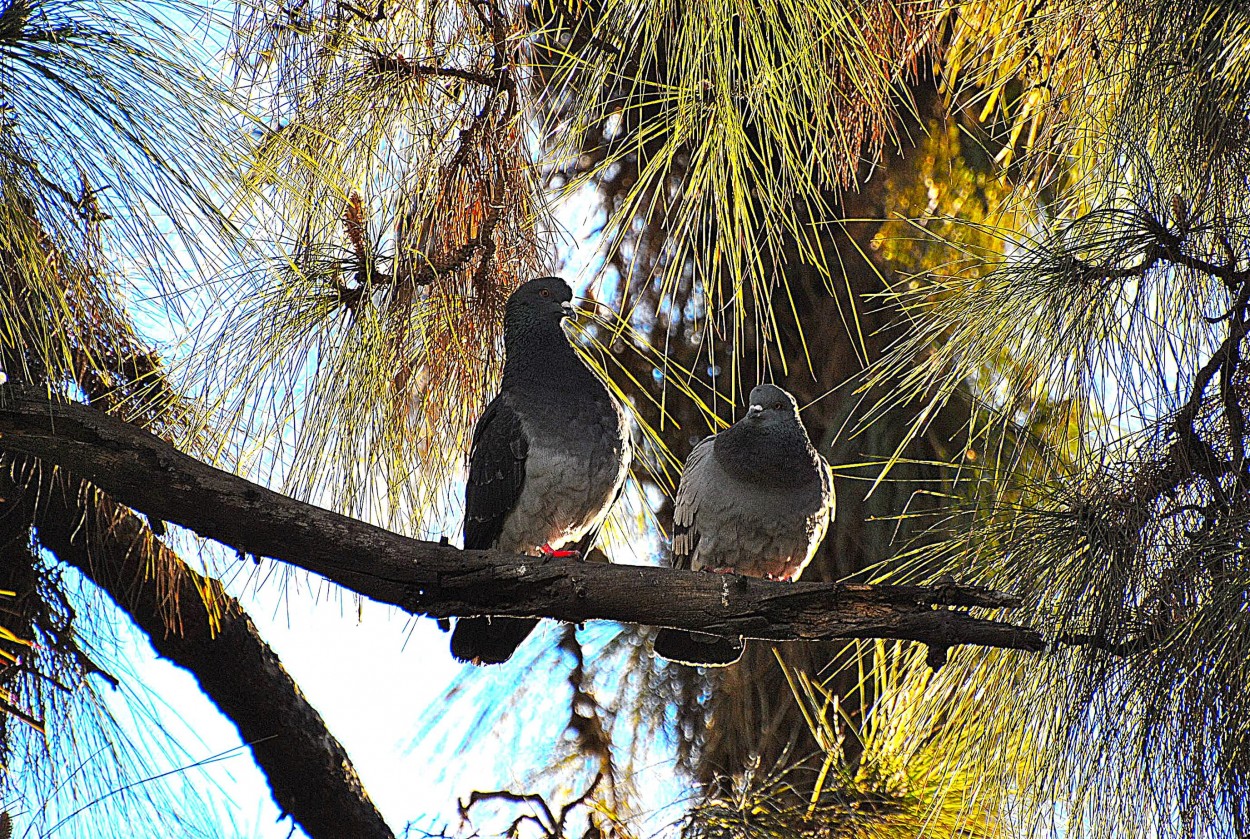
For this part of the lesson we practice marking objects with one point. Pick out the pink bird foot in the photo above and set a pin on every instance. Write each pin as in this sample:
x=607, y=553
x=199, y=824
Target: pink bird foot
x=552, y=553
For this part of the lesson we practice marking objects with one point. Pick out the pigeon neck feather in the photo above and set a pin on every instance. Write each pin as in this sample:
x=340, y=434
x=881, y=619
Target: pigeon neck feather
x=774, y=456
x=538, y=353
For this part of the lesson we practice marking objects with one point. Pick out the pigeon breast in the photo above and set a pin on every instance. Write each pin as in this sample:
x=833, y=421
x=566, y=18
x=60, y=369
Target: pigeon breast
x=578, y=460
x=728, y=519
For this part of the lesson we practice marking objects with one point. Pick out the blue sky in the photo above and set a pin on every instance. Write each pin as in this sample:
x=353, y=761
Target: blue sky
x=373, y=677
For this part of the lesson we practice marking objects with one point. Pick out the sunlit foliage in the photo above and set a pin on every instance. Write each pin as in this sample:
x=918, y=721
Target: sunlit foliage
x=112, y=147
x=393, y=179
x=1124, y=305
x=997, y=247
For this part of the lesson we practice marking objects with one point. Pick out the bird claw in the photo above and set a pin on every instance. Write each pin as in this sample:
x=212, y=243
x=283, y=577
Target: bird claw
x=552, y=553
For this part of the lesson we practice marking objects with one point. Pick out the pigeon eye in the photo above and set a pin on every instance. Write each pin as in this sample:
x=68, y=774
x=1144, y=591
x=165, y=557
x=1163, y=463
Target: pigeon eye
x=546, y=292
x=778, y=406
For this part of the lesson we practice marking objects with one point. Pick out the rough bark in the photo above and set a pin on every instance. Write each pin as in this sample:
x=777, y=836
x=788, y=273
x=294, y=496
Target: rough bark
x=439, y=580
x=192, y=622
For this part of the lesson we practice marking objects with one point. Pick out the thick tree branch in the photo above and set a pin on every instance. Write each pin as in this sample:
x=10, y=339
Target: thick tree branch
x=439, y=580
x=309, y=773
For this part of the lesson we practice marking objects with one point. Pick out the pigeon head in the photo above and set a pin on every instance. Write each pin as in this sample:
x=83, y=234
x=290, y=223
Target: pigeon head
x=536, y=349
x=546, y=299
x=769, y=405
x=769, y=445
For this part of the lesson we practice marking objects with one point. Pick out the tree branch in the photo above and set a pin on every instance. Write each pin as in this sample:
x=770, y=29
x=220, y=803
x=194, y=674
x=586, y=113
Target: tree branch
x=309, y=773
x=148, y=474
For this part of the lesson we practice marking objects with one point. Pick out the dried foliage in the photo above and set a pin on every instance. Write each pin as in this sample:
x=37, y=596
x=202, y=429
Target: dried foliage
x=898, y=786
x=392, y=173
x=39, y=651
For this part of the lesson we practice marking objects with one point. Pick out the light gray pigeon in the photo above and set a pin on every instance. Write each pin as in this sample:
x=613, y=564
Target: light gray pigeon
x=756, y=500
x=549, y=456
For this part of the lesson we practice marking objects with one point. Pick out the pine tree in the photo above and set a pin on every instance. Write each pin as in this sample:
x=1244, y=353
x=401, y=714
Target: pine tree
x=995, y=248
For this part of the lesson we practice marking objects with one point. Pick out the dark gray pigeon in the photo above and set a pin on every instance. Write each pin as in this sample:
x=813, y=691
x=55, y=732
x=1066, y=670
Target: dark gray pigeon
x=549, y=456
x=755, y=499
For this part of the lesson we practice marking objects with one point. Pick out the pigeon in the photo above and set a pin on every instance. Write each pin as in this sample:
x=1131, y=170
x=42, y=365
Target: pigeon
x=549, y=457
x=756, y=500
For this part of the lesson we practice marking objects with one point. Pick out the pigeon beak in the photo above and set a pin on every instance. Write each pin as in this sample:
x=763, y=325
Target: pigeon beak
x=568, y=308
x=755, y=410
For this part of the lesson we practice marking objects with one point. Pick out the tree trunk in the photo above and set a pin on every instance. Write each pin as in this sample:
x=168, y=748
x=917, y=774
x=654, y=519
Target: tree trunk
x=755, y=719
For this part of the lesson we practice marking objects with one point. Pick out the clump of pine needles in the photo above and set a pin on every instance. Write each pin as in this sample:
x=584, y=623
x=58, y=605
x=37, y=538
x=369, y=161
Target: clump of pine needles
x=900, y=783
x=1115, y=330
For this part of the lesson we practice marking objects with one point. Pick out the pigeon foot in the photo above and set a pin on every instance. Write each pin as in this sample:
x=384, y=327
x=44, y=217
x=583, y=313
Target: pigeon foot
x=780, y=578
x=553, y=553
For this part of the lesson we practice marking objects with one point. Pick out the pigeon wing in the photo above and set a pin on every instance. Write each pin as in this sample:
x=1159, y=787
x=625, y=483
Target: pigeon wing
x=496, y=478
x=496, y=474
x=697, y=649
x=686, y=506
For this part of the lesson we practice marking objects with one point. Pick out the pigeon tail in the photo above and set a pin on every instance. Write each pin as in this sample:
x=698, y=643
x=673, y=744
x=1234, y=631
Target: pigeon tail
x=490, y=640
x=697, y=649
